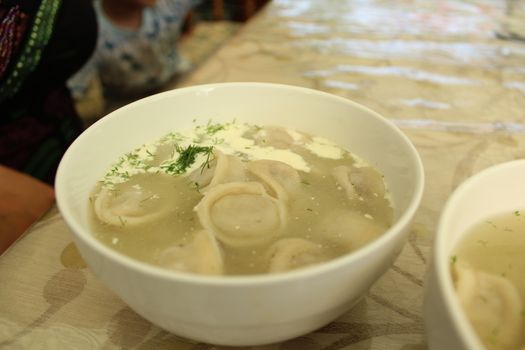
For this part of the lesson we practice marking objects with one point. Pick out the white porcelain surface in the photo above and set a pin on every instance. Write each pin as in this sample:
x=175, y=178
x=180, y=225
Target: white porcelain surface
x=241, y=310
x=496, y=190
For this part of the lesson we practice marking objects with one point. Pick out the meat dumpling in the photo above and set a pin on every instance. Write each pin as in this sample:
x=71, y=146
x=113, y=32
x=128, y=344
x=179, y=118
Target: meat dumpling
x=222, y=168
x=350, y=228
x=274, y=137
x=359, y=181
x=492, y=304
x=130, y=207
x=202, y=255
x=291, y=253
x=241, y=213
x=280, y=178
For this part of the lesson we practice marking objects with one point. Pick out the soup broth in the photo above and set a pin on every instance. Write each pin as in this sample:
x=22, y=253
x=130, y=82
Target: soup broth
x=239, y=199
x=489, y=275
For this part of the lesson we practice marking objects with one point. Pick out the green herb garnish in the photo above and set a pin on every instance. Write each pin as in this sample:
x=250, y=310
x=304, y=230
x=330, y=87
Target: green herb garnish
x=172, y=136
x=196, y=186
x=186, y=159
x=453, y=259
x=217, y=141
x=212, y=129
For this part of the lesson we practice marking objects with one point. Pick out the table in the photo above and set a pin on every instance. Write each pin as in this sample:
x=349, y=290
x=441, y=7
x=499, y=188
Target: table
x=450, y=74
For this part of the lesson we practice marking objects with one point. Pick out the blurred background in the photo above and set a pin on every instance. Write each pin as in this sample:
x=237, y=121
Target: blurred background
x=208, y=26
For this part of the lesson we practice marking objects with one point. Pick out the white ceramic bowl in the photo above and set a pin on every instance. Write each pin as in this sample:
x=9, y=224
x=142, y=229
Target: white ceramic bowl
x=247, y=310
x=496, y=190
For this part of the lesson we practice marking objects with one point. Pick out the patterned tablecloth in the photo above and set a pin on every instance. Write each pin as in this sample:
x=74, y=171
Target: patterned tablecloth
x=450, y=74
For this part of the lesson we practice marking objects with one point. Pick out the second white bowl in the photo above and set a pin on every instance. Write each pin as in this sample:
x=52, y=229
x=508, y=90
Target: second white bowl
x=496, y=190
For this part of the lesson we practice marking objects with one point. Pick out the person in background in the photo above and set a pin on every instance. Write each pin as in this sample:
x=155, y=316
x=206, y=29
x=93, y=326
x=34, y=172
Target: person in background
x=137, y=48
x=42, y=44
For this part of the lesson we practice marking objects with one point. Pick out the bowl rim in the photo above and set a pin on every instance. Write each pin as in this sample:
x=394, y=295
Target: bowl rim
x=82, y=234
x=441, y=257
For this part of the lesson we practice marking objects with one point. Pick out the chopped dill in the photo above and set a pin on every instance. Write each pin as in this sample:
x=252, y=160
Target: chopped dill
x=217, y=141
x=172, y=136
x=212, y=129
x=453, y=259
x=304, y=182
x=309, y=209
x=186, y=159
x=206, y=163
x=196, y=186
x=517, y=213
x=132, y=156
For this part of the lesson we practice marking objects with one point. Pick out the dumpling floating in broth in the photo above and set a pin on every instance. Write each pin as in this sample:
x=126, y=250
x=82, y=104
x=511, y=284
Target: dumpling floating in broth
x=222, y=168
x=236, y=198
x=201, y=255
x=492, y=304
x=290, y=253
x=359, y=182
x=241, y=213
x=488, y=274
x=350, y=229
x=137, y=205
x=281, y=179
x=274, y=137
